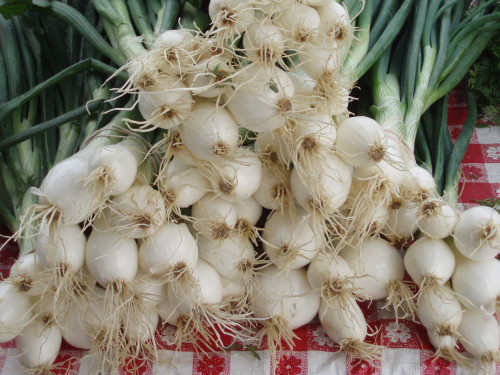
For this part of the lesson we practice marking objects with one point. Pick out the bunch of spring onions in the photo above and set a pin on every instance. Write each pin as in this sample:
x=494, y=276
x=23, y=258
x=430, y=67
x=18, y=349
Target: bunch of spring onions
x=428, y=58
x=243, y=203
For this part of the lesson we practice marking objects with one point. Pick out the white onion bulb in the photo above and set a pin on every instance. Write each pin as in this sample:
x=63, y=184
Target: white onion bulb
x=39, y=344
x=477, y=234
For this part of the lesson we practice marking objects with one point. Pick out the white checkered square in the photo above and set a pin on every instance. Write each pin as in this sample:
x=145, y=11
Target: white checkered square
x=11, y=364
x=326, y=363
x=489, y=135
x=493, y=171
x=173, y=363
x=244, y=363
x=401, y=361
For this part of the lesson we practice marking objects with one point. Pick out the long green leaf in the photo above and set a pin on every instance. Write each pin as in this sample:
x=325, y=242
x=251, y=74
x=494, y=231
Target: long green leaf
x=460, y=146
x=58, y=121
x=88, y=64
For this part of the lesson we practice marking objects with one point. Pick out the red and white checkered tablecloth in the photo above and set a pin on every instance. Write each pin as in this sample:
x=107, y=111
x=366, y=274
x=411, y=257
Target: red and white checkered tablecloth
x=408, y=350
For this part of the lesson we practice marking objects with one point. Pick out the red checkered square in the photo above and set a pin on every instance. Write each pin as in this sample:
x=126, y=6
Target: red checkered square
x=292, y=363
x=318, y=339
x=430, y=365
x=211, y=364
x=357, y=367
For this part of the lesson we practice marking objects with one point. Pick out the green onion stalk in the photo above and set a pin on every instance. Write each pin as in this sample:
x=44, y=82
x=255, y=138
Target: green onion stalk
x=55, y=62
x=377, y=23
x=43, y=117
x=429, y=56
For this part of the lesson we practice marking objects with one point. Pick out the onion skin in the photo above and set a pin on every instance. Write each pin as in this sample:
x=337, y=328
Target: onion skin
x=298, y=309
x=483, y=291
x=63, y=187
x=376, y=264
x=14, y=311
x=429, y=257
x=343, y=323
x=480, y=334
x=111, y=257
x=39, y=344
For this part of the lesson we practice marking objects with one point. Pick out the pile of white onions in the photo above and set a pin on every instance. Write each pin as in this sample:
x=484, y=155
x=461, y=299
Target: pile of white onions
x=248, y=237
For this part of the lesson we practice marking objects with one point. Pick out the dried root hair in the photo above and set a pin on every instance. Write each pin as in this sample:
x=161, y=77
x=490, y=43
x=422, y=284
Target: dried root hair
x=326, y=222
x=361, y=218
x=264, y=57
x=218, y=230
x=308, y=150
x=225, y=24
x=296, y=34
x=174, y=113
x=31, y=219
x=273, y=163
x=143, y=72
x=275, y=156
x=112, y=346
x=363, y=351
x=401, y=299
x=55, y=368
x=447, y=351
x=102, y=179
x=175, y=213
x=282, y=195
x=286, y=107
x=246, y=230
x=342, y=298
x=236, y=326
x=331, y=94
x=342, y=33
x=179, y=276
x=185, y=57
x=173, y=210
x=430, y=282
x=215, y=174
x=237, y=305
x=453, y=355
x=205, y=326
x=25, y=282
x=66, y=287
x=336, y=290
x=169, y=147
x=337, y=227
x=22, y=283
x=216, y=77
x=430, y=208
x=191, y=330
x=141, y=350
x=251, y=270
x=126, y=221
x=490, y=358
x=396, y=239
x=398, y=242
x=489, y=234
x=288, y=254
x=278, y=336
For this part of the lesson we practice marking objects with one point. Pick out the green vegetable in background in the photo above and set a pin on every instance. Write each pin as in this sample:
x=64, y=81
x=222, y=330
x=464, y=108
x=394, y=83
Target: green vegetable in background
x=482, y=82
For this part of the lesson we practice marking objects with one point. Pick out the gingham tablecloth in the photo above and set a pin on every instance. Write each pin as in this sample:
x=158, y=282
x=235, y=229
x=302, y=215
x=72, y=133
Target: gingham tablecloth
x=408, y=350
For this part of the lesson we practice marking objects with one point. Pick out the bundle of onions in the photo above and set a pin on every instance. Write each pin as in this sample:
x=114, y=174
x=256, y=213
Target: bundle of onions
x=255, y=147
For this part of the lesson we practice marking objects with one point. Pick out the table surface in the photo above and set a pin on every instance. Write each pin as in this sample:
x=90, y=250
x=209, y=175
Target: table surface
x=407, y=348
